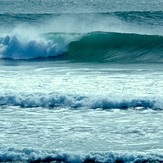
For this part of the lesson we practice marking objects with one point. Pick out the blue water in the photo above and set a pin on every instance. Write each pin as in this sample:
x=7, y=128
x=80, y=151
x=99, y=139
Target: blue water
x=81, y=81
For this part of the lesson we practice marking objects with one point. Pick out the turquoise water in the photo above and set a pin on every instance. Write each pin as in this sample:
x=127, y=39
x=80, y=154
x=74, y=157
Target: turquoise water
x=81, y=81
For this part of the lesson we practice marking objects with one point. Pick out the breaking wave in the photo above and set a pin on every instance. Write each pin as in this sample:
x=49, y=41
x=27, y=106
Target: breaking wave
x=30, y=155
x=53, y=100
x=117, y=47
x=22, y=47
x=91, y=47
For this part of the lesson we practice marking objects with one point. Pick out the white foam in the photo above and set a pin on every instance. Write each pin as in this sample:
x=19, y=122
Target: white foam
x=53, y=100
x=13, y=154
x=25, y=47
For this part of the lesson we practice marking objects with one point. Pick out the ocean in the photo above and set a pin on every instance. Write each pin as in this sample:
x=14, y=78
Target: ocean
x=81, y=81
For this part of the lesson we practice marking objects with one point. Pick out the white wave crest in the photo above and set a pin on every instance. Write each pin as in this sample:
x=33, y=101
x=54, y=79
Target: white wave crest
x=18, y=46
x=53, y=100
x=31, y=155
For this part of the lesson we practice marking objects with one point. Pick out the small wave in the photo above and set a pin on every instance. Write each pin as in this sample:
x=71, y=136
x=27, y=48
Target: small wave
x=141, y=17
x=31, y=155
x=92, y=47
x=53, y=100
x=129, y=16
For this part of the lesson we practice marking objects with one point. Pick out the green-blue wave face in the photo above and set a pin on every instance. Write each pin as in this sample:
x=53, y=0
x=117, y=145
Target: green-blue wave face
x=111, y=47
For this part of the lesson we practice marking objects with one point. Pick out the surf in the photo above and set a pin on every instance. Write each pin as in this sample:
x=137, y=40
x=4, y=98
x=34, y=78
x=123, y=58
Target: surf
x=85, y=47
x=32, y=155
x=56, y=100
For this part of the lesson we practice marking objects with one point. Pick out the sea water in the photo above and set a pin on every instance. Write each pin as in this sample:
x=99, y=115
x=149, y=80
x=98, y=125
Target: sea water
x=81, y=81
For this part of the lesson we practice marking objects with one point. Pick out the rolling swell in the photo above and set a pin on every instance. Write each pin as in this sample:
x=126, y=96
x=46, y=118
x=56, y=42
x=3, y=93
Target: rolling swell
x=117, y=47
x=127, y=16
x=91, y=47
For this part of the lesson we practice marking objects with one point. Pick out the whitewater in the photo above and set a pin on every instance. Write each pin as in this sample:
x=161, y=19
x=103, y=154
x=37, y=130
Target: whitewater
x=81, y=81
